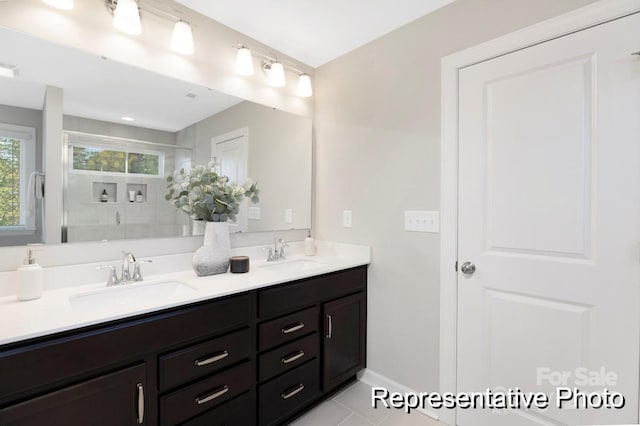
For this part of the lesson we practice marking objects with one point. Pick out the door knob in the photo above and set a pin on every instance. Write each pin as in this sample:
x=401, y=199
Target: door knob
x=468, y=268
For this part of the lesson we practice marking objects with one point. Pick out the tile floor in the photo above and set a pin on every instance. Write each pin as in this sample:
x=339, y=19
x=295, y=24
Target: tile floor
x=352, y=407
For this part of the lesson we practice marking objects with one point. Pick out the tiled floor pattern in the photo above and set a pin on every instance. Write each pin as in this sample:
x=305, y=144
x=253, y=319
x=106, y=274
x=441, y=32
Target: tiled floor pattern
x=352, y=407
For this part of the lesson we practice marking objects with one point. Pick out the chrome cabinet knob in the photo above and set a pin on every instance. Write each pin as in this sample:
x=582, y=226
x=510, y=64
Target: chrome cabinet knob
x=468, y=268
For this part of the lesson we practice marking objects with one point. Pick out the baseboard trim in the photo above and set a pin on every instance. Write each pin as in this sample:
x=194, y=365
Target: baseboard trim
x=372, y=379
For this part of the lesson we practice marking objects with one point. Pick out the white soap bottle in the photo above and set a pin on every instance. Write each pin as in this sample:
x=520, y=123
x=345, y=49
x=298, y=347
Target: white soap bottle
x=30, y=277
x=309, y=245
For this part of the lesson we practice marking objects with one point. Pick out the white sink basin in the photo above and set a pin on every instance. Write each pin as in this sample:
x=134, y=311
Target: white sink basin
x=294, y=266
x=129, y=295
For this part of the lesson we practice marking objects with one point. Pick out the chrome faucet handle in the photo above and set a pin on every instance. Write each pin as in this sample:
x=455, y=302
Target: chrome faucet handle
x=283, y=244
x=137, y=276
x=270, y=253
x=112, y=278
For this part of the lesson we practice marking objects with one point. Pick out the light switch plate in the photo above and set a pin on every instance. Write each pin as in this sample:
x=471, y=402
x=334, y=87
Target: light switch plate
x=421, y=221
x=288, y=215
x=253, y=213
x=347, y=219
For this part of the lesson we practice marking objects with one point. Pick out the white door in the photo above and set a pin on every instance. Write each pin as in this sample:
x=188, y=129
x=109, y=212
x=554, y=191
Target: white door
x=549, y=214
x=231, y=152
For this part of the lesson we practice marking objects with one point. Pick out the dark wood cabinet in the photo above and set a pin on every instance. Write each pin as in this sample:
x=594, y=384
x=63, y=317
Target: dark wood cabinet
x=260, y=357
x=344, y=346
x=112, y=399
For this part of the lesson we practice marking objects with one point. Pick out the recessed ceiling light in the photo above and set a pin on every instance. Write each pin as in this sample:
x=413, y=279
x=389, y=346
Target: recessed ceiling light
x=7, y=70
x=126, y=118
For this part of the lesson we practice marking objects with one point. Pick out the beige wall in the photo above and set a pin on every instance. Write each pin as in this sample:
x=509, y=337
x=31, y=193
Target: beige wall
x=279, y=160
x=377, y=135
x=89, y=27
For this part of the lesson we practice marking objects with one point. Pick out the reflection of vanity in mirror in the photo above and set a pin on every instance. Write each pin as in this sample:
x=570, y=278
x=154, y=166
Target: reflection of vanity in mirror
x=122, y=136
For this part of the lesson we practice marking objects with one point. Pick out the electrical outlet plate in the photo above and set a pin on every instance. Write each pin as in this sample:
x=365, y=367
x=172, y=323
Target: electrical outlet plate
x=347, y=219
x=288, y=215
x=253, y=213
x=421, y=221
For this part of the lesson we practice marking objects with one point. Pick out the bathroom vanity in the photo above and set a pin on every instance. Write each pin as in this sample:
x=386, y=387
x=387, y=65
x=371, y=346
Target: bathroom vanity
x=260, y=356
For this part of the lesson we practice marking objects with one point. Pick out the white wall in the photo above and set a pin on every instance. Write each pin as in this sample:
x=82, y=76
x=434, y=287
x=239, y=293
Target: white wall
x=377, y=136
x=89, y=27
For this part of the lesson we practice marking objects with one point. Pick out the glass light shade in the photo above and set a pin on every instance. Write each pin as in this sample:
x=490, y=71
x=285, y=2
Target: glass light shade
x=126, y=17
x=244, y=62
x=182, y=40
x=276, y=75
x=8, y=71
x=304, y=86
x=60, y=4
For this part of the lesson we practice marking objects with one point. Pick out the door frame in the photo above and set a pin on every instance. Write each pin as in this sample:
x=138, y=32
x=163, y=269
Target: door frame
x=580, y=19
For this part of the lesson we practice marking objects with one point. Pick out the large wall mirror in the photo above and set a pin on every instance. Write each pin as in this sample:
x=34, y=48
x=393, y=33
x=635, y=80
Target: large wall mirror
x=125, y=129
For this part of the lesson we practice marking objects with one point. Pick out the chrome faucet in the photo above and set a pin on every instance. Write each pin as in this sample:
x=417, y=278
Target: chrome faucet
x=275, y=253
x=127, y=258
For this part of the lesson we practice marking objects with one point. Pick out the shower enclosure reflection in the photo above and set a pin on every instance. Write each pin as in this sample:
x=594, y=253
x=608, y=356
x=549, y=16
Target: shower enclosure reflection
x=115, y=188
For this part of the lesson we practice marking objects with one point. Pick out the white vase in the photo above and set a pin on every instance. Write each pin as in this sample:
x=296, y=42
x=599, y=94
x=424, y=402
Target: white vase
x=213, y=257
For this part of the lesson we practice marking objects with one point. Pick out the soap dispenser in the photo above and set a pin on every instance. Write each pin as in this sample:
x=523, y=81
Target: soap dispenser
x=309, y=245
x=30, y=276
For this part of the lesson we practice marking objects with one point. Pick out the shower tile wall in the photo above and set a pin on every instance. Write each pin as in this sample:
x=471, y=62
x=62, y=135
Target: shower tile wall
x=89, y=219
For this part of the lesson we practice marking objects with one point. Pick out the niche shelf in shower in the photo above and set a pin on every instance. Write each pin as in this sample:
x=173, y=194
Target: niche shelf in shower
x=112, y=191
x=135, y=187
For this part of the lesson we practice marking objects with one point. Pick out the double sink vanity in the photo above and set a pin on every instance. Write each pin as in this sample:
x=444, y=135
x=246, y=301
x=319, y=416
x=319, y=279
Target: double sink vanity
x=257, y=348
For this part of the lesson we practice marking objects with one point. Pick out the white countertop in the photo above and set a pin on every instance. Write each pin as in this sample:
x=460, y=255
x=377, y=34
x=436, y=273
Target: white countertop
x=53, y=312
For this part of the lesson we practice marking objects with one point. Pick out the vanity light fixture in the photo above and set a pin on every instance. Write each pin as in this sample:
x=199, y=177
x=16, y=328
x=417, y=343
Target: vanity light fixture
x=126, y=17
x=304, y=86
x=9, y=71
x=276, y=74
x=60, y=4
x=182, y=40
x=244, y=61
x=272, y=68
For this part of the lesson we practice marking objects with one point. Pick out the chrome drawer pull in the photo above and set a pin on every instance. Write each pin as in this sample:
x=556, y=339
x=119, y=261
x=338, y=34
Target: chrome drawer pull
x=214, y=358
x=216, y=394
x=292, y=357
x=292, y=328
x=330, y=323
x=140, y=403
x=299, y=388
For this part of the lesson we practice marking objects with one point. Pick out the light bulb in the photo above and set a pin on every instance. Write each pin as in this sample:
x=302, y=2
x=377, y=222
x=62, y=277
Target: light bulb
x=60, y=4
x=126, y=17
x=182, y=40
x=304, y=86
x=276, y=75
x=244, y=61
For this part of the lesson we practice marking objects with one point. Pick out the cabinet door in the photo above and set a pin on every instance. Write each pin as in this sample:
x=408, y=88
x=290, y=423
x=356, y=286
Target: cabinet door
x=112, y=399
x=344, y=339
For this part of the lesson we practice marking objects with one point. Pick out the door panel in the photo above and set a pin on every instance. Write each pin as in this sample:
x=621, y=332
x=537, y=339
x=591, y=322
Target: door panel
x=549, y=213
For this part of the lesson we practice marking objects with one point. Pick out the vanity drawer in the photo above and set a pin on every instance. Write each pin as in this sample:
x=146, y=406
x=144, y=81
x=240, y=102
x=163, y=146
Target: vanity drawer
x=287, y=328
x=200, y=360
x=286, y=394
x=285, y=358
x=205, y=394
x=237, y=412
x=288, y=297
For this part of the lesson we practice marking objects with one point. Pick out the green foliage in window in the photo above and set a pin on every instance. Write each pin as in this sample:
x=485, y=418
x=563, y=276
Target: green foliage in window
x=103, y=160
x=98, y=160
x=146, y=164
x=9, y=182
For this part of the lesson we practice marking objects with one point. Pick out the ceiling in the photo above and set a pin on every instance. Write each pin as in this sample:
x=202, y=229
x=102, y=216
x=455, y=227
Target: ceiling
x=314, y=32
x=101, y=89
